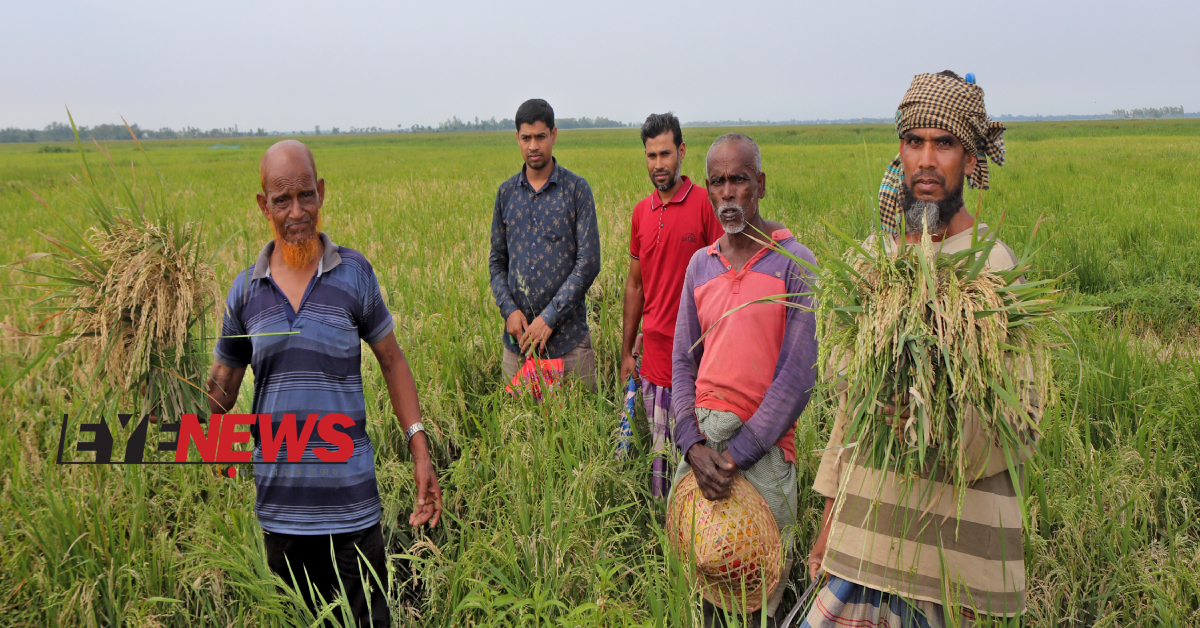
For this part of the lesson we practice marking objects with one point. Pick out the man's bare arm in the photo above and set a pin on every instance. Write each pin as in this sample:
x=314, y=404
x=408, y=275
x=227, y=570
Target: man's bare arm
x=635, y=303
x=402, y=390
x=816, y=556
x=224, y=382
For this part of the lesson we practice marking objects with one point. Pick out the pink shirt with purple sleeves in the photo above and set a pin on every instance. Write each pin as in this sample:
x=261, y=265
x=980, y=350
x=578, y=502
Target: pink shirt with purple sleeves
x=759, y=362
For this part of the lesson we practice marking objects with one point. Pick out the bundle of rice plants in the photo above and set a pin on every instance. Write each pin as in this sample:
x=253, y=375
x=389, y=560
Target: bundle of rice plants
x=126, y=298
x=942, y=339
x=939, y=339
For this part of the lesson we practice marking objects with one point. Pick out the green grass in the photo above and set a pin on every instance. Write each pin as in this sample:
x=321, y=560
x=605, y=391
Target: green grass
x=543, y=528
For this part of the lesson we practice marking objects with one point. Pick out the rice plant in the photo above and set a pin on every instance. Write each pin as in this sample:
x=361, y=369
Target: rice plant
x=126, y=299
x=544, y=527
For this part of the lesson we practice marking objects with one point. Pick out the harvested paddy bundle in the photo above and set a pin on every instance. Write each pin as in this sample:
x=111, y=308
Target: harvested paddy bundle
x=734, y=543
x=127, y=300
x=942, y=339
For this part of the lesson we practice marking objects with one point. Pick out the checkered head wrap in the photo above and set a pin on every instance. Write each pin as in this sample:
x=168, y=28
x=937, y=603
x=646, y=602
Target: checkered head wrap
x=942, y=101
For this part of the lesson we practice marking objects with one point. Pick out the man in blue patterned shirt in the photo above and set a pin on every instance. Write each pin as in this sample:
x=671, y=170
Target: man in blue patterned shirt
x=327, y=297
x=545, y=253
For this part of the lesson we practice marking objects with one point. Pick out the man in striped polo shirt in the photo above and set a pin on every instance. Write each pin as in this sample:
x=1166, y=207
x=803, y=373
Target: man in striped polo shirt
x=909, y=553
x=298, y=316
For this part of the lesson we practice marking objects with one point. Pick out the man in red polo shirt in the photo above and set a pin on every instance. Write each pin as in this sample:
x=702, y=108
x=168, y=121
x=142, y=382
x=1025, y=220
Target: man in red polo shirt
x=668, y=227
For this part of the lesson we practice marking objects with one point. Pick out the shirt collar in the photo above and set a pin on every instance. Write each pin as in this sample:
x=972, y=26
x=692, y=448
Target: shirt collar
x=679, y=197
x=777, y=235
x=329, y=260
x=553, y=176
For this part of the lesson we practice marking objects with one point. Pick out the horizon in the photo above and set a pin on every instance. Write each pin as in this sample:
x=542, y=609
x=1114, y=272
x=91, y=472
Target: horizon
x=235, y=131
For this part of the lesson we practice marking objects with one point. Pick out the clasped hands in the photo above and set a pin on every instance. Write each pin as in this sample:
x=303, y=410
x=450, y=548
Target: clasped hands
x=714, y=471
x=528, y=334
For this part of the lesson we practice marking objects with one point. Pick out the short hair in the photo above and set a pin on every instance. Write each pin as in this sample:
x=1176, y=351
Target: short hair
x=658, y=123
x=729, y=138
x=535, y=110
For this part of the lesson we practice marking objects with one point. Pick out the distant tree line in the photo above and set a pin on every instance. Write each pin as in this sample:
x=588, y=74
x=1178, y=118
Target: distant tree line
x=1150, y=112
x=741, y=122
x=455, y=125
x=59, y=132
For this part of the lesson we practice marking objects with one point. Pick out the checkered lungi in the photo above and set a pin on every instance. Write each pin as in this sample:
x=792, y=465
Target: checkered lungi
x=841, y=603
x=661, y=418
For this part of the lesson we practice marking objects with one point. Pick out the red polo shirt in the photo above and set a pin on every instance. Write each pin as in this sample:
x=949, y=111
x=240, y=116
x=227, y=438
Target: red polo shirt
x=663, y=239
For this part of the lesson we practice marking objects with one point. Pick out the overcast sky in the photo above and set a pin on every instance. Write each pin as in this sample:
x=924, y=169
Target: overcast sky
x=295, y=64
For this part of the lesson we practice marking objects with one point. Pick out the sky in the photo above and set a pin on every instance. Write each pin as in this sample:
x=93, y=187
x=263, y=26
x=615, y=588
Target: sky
x=290, y=66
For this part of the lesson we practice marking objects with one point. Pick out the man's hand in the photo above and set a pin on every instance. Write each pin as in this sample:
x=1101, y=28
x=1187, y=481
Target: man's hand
x=429, y=492
x=714, y=471
x=628, y=366
x=817, y=555
x=629, y=360
x=536, y=335
x=889, y=414
x=516, y=325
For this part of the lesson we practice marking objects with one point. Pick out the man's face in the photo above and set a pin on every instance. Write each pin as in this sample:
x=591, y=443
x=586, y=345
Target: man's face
x=663, y=160
x=537, y=144
x=734, y=185
x=935, y=163
x=292, y=198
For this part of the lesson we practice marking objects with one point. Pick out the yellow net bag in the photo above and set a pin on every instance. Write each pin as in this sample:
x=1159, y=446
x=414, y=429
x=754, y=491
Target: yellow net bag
x=734, y=543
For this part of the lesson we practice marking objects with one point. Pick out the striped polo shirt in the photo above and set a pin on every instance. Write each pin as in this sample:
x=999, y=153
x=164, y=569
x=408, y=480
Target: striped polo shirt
x=316, y=371
x=920, y=539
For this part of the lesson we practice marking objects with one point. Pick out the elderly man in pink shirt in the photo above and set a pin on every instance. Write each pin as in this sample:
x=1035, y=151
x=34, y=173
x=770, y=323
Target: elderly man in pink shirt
x=737, y=395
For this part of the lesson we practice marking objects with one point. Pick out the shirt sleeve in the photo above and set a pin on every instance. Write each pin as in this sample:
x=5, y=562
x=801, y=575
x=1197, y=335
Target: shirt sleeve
x=498, y=260
x=374, y=320
x=587, y=258
x=795, y=374
x=685, y=363
x=234, y=352
x=635, y=244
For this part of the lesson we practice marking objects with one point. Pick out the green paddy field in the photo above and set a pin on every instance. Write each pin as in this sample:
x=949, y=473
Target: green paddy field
x=543, y=527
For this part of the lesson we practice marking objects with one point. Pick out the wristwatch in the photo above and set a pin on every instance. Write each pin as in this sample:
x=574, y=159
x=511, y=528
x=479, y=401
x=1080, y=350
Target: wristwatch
x=412, y=431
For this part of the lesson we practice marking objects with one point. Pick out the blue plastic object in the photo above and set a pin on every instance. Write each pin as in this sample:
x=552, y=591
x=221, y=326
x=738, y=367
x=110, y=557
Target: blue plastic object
x=626, y=418
x=971, y=77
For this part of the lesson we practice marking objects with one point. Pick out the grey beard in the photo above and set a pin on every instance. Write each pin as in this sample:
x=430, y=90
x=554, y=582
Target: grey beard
x=922, y=216
x=735, y=227
x=917, y=214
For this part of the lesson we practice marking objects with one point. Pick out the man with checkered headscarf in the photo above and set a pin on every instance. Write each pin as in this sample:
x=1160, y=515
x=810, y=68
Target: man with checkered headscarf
x=895, y=552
